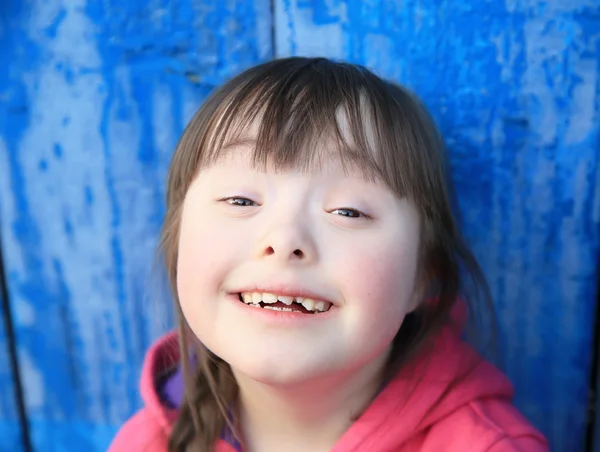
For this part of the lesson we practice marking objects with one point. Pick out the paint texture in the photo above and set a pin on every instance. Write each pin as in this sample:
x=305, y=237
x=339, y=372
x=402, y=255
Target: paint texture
x=93, y=96
x=514, y=86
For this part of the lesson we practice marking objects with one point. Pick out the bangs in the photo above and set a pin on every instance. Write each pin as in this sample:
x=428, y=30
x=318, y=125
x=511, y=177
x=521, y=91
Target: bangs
x=301, y=113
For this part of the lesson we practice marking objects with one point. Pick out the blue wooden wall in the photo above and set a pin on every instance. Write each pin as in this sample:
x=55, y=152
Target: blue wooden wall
x=93, y=96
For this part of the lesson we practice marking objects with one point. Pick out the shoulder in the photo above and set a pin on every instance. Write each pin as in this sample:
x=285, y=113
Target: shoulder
x=490, y=425
x=148, y=430
x=141, y=433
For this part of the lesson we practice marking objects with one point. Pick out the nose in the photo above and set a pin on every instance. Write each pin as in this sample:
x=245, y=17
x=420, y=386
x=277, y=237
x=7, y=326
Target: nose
x=290, y=241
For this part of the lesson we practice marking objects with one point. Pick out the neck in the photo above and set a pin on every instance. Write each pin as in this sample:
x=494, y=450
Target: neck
x=312, y=415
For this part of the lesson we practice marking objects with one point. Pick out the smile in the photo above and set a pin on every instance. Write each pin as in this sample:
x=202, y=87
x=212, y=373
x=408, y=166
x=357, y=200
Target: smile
x=284, y=303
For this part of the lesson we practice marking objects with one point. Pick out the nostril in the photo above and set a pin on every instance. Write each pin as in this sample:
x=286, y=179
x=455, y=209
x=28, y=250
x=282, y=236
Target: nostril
x=270, y=251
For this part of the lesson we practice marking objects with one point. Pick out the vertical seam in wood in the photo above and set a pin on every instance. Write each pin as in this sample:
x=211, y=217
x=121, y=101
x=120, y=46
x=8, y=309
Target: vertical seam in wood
x=273, y=31
x=592, y=436
x=12, y=352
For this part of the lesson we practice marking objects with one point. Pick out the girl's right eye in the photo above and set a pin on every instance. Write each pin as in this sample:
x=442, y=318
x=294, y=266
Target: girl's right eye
x=240, y=201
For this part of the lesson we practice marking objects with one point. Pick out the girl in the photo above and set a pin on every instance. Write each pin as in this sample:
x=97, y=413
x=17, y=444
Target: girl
x=317, y=268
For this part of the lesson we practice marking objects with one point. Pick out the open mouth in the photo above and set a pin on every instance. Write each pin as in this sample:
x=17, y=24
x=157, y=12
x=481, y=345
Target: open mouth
x=284, y=303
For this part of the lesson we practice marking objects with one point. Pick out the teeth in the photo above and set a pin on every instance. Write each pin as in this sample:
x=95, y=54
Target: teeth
x=268, y=298
x=275, y=308
x=255, y=298
x=286, y=300
x=309, y=304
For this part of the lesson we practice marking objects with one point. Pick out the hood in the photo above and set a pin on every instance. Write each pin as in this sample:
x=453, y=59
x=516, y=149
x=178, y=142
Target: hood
x=449, y=377
x=161, y=360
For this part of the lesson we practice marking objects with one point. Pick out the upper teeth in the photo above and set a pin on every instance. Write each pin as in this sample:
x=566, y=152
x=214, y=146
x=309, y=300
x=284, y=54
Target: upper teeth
x=269, y=298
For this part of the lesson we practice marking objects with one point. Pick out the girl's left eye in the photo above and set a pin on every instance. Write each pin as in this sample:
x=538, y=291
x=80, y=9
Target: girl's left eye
x=349, y=213
x=240, y=201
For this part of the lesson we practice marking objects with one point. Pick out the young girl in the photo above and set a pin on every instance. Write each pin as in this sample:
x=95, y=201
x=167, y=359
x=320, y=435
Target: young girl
x=317, y=270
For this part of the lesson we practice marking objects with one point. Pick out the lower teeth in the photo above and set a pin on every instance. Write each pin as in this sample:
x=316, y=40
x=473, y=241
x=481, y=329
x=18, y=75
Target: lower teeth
x=275, y=308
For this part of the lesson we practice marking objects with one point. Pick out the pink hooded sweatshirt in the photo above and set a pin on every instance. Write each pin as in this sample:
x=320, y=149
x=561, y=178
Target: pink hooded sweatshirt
x=472, y=415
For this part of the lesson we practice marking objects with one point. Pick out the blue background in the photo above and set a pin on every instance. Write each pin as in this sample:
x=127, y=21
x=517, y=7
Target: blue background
x=93, y=97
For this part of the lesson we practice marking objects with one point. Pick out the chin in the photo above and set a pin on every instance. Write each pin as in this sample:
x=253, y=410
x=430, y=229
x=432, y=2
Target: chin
x=279, y=373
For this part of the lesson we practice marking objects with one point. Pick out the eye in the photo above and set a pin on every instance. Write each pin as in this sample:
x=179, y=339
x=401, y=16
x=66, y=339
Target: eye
x=239, y=201
x=349, y=213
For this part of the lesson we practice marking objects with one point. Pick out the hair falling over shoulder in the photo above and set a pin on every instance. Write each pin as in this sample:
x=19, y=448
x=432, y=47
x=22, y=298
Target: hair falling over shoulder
x=209, y=389
x=297, y=103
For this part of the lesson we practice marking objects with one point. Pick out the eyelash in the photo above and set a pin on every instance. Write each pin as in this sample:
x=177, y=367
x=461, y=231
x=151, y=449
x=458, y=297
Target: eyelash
x=232, y=201
x=358, y=213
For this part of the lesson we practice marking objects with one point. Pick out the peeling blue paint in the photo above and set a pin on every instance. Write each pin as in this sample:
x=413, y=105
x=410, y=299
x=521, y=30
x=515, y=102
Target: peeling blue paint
x=55, y=23
x=95, y=99
x=57, y=150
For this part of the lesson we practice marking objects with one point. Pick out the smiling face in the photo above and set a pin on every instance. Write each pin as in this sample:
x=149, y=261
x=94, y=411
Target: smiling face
x=328, y=235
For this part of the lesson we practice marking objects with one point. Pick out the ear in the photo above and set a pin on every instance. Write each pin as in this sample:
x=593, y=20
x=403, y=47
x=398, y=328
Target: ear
x=417, y=297
x=422, y=291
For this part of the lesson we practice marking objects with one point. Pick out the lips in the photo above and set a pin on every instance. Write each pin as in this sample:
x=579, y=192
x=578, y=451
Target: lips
x=285, y=303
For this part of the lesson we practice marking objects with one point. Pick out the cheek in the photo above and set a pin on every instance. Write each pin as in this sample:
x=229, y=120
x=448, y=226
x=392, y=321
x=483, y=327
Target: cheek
x=383, y=278
x=205, y=257
x=195, y=251
x=204, y=253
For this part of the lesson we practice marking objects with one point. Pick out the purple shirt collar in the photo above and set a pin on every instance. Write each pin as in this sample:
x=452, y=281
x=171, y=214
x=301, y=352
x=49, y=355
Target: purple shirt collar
x=171, y=390
x=171, y=393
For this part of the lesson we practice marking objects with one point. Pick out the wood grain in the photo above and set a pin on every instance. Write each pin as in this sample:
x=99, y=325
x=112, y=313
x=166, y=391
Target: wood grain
x=94, y=100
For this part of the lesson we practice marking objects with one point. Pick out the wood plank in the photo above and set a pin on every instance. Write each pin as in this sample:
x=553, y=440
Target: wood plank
x=514, y=87
x=94, y=101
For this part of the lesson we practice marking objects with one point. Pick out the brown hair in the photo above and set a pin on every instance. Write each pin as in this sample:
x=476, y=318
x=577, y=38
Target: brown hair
x=297, y=103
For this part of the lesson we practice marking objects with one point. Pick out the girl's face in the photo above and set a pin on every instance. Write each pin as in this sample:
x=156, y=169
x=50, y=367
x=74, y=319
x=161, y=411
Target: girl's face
x=329, y=236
